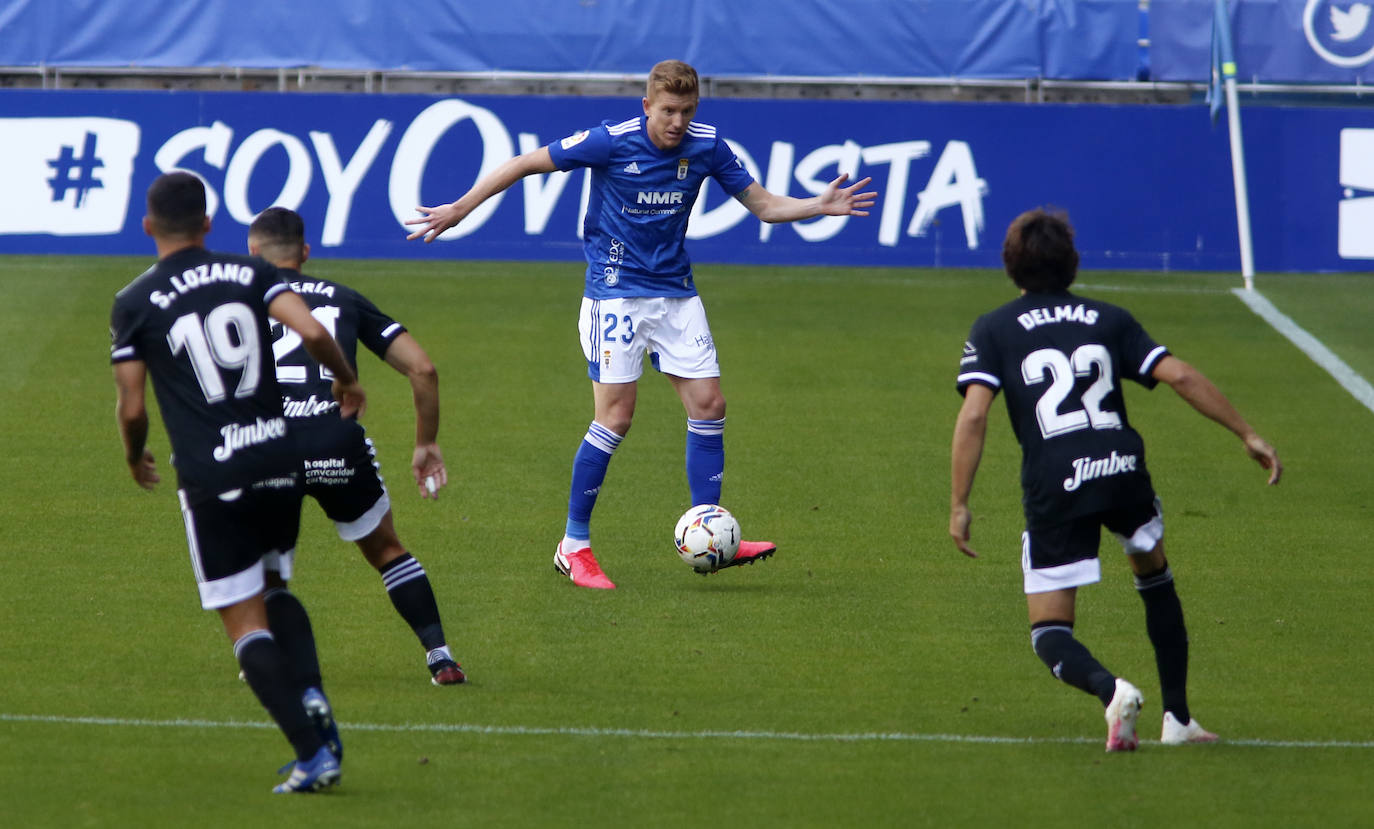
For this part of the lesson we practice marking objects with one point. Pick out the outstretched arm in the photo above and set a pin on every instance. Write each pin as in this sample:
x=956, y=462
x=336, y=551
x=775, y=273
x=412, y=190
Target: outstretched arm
x=438, y=219
x=131, y=413
x=1202, y=395
x=427, y=463
x=835, y=201
x=970, y=430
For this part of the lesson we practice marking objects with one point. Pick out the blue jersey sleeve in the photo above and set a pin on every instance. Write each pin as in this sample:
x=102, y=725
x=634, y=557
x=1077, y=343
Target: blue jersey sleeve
x=727, y=170
x=584, y=148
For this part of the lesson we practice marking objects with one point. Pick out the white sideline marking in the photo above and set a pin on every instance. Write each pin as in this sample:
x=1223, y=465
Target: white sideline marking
x=645, y=734
x=1349, y=379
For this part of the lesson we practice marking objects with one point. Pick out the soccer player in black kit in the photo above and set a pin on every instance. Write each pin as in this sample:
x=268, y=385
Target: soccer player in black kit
x=1060, y=359
x=341, y=471
x=197, y=322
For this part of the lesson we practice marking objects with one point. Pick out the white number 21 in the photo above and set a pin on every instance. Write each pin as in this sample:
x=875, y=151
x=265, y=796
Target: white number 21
x=288, y=341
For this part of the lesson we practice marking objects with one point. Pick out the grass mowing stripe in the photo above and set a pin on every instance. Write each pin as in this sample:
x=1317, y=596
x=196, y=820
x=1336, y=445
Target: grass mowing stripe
x=1148, y=289
x=1349, y=379
x=648, y=734
x=879, y=277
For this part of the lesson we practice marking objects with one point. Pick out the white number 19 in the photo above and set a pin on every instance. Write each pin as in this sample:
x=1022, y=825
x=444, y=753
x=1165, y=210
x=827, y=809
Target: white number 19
x=211, y=348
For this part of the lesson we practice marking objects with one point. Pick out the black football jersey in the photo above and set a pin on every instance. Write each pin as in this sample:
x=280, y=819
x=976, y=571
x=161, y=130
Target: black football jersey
x=307, y=386
x=1059, y=360
x=198, y=320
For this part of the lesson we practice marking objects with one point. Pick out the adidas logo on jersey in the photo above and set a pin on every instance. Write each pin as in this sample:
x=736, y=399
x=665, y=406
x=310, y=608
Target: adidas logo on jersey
x=632, y=167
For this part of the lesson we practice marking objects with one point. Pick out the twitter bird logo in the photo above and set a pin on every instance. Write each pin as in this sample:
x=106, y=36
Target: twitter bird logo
x=1339, y=31
x=1348, y=24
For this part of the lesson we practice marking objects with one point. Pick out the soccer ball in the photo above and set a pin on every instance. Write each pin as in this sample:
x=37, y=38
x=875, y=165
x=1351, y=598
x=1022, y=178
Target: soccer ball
x=707, y=537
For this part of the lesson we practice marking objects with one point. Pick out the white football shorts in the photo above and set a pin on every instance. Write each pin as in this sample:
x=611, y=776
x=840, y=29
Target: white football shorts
x=616, y=334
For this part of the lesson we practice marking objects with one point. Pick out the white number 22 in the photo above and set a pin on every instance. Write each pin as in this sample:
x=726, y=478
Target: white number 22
x=1061, y=369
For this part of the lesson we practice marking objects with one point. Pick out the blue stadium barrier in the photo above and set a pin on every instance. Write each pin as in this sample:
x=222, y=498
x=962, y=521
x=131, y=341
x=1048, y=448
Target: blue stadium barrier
x=1000, y=39
x=1148, y=187
x=1276, y=41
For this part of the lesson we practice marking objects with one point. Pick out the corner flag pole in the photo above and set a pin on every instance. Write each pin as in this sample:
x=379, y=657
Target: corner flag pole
x=1224, y=69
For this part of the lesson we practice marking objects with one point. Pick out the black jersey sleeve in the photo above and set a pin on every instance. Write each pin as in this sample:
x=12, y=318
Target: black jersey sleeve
x=978, y=363
x=1139, y=352
x=123, y=332
x=376, y=330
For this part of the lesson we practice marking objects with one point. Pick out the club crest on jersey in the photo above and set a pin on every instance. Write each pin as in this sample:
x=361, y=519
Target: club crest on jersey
x=682, y=168
x=574, y=139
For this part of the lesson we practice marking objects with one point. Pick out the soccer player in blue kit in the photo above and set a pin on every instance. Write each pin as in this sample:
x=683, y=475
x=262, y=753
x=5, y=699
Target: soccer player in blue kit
x=647, y=172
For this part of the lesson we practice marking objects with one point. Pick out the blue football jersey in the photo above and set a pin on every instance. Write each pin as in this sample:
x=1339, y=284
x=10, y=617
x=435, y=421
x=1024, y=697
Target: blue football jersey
x=640, y=200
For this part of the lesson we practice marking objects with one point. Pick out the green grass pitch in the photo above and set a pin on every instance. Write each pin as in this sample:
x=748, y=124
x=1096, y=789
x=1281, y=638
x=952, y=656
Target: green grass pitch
x=868, y=675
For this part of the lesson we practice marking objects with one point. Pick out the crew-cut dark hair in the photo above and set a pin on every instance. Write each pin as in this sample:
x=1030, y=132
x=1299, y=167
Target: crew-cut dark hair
x=279, y=225
x=1038, y=252
x=279, y=236
x=176, y=204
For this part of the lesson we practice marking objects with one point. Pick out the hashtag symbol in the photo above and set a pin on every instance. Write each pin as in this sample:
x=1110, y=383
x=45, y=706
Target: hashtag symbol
x=73, y=172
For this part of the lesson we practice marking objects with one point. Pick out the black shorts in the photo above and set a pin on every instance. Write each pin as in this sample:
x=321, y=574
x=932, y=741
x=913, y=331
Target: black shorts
x=1065, y=555
x=342, y=475
x=232, y=534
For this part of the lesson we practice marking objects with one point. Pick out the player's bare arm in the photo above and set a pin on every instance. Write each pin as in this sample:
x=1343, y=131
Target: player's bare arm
x=438, y=219
x=131, y=414
x=836, y=200
x=1194, y=387
x=290, y=310
x=966, y=451
x=406, y=355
